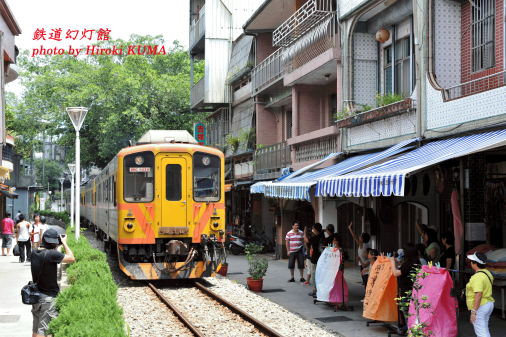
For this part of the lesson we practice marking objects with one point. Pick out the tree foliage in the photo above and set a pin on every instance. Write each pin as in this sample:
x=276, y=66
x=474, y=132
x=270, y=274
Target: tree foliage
x=126, y=96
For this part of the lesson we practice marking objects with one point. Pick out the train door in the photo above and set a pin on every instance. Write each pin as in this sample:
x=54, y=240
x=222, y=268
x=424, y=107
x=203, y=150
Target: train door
x=174, y=173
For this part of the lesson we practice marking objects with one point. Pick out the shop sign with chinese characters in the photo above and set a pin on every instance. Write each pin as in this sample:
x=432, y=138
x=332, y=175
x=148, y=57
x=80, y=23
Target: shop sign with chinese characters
x=199, y=132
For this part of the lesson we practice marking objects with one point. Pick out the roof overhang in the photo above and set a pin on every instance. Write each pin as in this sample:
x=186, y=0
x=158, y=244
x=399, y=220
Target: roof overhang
x=9, y=18
x=269, y=16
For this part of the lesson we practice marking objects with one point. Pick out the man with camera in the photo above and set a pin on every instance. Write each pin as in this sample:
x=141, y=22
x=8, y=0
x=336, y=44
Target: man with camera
x=44, y=273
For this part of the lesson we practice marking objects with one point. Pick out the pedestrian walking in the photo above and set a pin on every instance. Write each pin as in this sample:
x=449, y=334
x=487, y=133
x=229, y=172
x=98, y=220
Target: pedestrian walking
x=479, y=298
x=17, y=216
x=7, y=234
x=43, y=226
x=23, y=239
x=35, y=232
x=44, y=273
x=294, y=244
x=315, y=244
x=363, y=245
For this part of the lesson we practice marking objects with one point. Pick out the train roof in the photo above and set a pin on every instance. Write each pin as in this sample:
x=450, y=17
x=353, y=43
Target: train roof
x=167, y=136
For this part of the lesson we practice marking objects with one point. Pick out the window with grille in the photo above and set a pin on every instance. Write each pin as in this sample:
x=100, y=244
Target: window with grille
x=402, y=67
x=483, y=34
x=387, y=69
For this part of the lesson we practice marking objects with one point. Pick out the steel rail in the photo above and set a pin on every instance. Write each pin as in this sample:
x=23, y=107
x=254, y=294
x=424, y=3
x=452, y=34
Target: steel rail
x=244, y=315
x=195, y=331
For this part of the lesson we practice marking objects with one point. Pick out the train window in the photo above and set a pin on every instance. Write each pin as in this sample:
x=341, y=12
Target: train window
x=114, y=190
x=206, y=177
x=173, y=181
x=138, y=181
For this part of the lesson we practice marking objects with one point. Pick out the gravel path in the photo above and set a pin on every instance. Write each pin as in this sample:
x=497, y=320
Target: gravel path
x=146, y=316
x=207, y=315
x=270, y=313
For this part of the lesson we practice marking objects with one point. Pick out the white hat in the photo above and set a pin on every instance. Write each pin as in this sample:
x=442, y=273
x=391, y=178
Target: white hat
x=476, y=258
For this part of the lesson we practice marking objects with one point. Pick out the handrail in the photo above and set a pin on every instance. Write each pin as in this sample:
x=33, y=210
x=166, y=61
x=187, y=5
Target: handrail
x=475, y=86
x=267, y=71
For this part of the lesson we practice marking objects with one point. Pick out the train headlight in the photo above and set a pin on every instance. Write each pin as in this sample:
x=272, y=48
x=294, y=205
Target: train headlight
x=206, y=161
x=139, y=160
x=129, y=227
x=215, y=225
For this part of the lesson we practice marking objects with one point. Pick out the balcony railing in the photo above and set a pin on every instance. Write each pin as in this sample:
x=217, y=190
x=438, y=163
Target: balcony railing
x=475, y=86
x=305, y=18
x=267, y=72
x=198, y=28
x=197, y=92
x=218, y=126
x=270, y=160
x=314, y=43
x=317, y=149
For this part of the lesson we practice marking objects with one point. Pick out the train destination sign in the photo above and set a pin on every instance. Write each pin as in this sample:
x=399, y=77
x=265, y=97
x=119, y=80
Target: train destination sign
x=139, y=169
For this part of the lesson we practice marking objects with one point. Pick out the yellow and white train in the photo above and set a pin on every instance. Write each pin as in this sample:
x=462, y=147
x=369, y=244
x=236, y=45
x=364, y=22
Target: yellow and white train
x=160, y=206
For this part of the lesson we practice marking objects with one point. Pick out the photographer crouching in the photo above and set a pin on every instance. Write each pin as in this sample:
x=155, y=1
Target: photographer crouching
x=44, y=273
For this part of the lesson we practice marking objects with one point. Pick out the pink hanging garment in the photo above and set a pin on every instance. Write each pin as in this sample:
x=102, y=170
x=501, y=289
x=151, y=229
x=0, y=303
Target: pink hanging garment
x=458, y=228
x=340, y=286
x=441, y=317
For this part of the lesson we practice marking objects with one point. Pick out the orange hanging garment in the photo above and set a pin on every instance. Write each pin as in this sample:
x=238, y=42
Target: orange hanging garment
x=381, y=291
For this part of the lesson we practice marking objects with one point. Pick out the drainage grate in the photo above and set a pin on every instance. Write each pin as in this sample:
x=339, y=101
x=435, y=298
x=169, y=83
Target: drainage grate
x=273, y=290
x=9, y=318
x=332, y=319
x=237, y=273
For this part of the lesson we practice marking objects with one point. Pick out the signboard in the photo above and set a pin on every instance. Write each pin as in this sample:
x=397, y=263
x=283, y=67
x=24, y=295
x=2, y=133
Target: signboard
x=200, y=133
x=139, y=169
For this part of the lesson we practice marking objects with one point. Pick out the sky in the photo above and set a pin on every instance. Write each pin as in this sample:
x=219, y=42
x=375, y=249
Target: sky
x=123, y=17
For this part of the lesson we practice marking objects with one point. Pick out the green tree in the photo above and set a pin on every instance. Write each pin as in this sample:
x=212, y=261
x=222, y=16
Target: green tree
x=50, y=174
x=126, y=96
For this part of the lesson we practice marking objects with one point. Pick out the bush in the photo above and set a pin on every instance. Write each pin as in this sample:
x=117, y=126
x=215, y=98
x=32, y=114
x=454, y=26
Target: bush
x=63, y=216
x=88, y=307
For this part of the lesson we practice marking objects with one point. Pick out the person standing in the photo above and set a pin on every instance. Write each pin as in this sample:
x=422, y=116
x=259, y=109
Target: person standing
x=339, y=293
x=479, y=298
x=44, y=272
x=308, y=234
x=405, y=283
x=23, y=239
x=35, y=232
x=43, y=226
x=315, y=244
x=328, y=234
x=448, y=258
x=432, y=248
x=362, y=247
x=7, y=234
x=294, y=244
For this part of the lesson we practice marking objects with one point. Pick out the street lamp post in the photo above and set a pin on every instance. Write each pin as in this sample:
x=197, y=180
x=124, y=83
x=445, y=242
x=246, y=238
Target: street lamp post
x=61, y=195
x=72, y=169
x=77, y=115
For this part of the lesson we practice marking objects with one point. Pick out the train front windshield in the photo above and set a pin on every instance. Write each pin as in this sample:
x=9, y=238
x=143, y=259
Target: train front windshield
x=139, y=177
x=206, y=177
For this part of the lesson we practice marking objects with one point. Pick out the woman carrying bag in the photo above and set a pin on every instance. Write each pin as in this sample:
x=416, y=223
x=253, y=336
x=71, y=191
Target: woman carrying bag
x=479, y=294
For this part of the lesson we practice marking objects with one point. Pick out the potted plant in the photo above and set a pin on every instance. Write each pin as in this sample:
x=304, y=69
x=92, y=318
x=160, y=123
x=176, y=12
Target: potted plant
x=257, y=267
x=223, y=269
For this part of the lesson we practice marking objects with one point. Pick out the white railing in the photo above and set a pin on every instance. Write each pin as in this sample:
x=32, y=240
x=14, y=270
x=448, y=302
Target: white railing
x=316, y=149
x=198, y=28
x=267, y=72
x=197, y=92
x=475, y=86
x=305, y=18
x=270, y=160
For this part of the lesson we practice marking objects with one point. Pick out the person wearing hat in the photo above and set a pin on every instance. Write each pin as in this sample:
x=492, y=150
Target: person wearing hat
x=479, y=294
x=44, y=273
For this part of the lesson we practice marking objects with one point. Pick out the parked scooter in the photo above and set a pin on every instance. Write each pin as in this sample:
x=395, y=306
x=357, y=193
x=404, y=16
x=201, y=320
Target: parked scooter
x=237, y=244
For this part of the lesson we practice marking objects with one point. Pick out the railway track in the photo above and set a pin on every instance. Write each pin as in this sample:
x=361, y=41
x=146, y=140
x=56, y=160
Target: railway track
x=220, y=301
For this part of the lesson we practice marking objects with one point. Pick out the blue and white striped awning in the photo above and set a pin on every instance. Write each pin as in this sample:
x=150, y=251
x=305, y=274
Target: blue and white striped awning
x=299, y=187
x=260, y=186
x=388, y=178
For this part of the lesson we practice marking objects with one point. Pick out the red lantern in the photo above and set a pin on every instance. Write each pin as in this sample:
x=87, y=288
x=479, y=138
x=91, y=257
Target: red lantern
x=382, y=35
